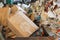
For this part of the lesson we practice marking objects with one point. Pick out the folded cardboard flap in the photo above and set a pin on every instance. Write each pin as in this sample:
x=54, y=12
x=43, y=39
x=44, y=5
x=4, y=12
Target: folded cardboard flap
x=4, y=13
x=14, y=8
x=21, y=25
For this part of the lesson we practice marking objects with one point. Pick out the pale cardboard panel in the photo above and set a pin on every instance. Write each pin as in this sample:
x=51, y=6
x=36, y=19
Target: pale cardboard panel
x=21, y=25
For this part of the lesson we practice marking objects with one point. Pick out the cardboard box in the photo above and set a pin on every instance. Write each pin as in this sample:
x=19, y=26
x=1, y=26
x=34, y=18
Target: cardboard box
x=21, y=25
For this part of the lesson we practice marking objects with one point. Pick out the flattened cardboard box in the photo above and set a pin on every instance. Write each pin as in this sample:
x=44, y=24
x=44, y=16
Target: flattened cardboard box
x=21, y=25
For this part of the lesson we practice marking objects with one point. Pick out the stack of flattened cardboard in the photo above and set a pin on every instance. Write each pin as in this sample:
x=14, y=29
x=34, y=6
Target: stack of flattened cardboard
x=21, y=25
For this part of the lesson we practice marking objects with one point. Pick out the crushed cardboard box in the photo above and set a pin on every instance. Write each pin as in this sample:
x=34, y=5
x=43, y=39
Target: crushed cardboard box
x=21, y=25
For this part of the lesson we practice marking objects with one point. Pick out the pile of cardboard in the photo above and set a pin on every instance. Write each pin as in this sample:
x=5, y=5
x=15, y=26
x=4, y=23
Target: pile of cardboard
x=17, y=21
